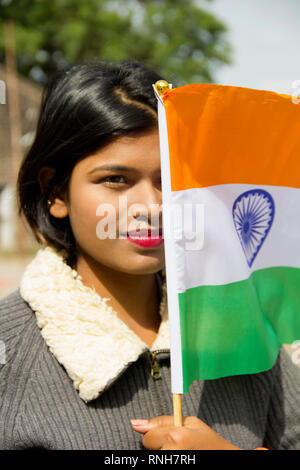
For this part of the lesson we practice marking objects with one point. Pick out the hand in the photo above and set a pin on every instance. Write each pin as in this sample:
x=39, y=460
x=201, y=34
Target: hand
x=161, y=434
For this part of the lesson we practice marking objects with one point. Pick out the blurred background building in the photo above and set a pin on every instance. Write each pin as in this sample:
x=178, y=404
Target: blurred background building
x=30, y=96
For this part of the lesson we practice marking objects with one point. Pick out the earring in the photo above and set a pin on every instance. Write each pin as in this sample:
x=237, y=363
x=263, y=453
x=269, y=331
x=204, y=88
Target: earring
x=49, y=202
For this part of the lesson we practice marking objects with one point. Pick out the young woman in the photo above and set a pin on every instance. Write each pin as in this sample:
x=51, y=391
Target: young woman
x=86, y=335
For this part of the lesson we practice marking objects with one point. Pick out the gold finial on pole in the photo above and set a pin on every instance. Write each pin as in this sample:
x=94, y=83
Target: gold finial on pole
x=161, y=86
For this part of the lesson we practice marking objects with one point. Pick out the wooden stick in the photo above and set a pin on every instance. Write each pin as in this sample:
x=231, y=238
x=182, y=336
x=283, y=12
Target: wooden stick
x=177, y=409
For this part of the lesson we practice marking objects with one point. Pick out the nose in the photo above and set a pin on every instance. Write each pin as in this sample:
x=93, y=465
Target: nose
x=146, y=205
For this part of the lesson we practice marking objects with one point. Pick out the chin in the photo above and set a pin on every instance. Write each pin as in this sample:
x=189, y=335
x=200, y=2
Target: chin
x=142, y=265
x=131, y=263
x=143, y=270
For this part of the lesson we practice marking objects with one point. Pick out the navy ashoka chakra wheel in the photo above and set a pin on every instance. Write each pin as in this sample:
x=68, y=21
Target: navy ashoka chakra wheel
x=253, y=214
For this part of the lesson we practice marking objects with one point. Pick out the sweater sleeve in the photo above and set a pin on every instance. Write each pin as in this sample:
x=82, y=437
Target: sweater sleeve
x=283, y=425
x=13, y=319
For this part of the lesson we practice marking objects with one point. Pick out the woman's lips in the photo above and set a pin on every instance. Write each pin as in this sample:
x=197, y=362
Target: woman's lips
x=146, y=239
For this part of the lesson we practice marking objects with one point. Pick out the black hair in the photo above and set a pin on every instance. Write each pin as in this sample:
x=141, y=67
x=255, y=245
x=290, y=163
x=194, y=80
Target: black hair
x=84, y=107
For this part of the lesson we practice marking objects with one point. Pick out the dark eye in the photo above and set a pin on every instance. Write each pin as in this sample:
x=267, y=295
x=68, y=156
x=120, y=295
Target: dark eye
x=114, y=180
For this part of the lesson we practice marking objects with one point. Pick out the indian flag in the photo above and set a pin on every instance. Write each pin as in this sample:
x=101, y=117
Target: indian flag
x=230, y=159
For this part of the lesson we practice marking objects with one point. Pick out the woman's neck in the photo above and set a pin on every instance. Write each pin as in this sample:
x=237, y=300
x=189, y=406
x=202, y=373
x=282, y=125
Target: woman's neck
x=135, y=298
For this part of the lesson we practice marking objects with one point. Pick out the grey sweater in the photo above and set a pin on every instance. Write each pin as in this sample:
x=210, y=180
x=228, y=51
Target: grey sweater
x=40, y=407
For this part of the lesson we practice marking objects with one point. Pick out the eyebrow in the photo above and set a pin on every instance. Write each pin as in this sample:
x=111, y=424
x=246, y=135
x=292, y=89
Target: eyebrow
x=112, y=168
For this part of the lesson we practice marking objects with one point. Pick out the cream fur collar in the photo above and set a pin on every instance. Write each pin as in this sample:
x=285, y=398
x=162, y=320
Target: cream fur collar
x=81, y=330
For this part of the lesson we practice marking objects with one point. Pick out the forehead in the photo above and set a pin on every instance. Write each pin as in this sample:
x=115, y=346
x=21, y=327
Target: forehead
x=140, y=152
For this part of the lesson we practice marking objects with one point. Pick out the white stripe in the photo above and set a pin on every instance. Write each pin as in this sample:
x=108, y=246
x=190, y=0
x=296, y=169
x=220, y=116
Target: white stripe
x=222, y=260
x=171, y=269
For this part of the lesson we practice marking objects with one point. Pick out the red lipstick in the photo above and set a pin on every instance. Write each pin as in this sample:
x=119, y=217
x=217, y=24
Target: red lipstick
x=145, y=239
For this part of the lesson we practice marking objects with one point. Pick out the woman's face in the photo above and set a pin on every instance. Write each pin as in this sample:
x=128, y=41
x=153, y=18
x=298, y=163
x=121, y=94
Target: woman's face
x=114, y=200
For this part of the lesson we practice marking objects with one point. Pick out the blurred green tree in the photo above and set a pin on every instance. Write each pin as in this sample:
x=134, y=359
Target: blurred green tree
x=181, y=40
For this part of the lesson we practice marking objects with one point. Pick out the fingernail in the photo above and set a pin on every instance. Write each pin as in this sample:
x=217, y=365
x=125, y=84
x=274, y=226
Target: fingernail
x=140, y=423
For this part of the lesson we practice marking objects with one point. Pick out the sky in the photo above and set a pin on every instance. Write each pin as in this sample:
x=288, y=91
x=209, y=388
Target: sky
x=265, y=40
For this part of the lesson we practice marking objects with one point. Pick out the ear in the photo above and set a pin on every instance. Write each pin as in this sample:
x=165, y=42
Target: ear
x=58, y=207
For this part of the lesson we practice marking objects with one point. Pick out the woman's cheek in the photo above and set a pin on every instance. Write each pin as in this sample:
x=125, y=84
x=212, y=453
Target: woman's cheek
x=84, y=216
x=96, y=216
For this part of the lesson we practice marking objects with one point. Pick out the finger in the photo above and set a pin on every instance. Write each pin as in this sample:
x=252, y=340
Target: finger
x=180, y=438
x=156, y=438
x=144, y=425
x=194, y=423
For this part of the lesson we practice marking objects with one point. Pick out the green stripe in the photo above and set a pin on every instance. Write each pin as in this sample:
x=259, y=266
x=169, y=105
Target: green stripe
x=238, y=328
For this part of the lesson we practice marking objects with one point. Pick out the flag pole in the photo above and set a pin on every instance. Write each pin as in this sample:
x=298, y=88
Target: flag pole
x=177, y=411
x=160, y=87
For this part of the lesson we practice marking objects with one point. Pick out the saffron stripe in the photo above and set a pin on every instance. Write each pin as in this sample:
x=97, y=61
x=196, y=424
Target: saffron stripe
x=222, y=134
